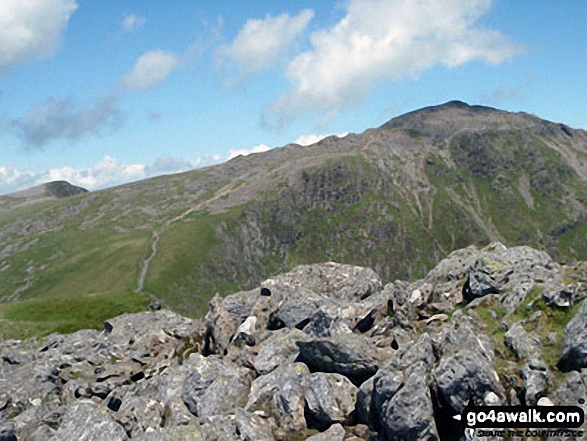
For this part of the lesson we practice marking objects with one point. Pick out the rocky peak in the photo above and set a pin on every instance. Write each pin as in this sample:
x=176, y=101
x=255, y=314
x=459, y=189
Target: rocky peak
x=324, y=352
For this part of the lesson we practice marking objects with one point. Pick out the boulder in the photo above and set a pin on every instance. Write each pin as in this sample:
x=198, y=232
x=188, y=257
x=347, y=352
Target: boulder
x=137, y=414
x=408, y=414
x=521, y=342
x=330, y=399
x=278, y=349
x=253, y=427
x=337, y=281
x=484, y=277
x=574, y=345
x=465, y=376
x=87, y=421
x=352, y=356
x=334, y=433
x=536, y=379
x=215, y=386
x=282, y=394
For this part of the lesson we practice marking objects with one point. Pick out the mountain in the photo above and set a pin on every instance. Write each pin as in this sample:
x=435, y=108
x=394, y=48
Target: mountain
x=326, y=352
x=396, y=199
x=45, y=192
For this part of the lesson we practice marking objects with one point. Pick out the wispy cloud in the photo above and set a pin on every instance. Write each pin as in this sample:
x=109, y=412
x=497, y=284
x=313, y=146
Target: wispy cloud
x=504, y=94
x=385, y=39
x=262, y=43
x=150, y=70
x=233, y=153
x=30, y=30
x=314, y=138
x=132, y=23
x=106, y=173
x=61, y=118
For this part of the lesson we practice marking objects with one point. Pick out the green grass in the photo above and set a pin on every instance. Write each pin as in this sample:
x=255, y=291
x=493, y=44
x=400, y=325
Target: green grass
x=42, y=316
x=185, y=257
x=77, y=263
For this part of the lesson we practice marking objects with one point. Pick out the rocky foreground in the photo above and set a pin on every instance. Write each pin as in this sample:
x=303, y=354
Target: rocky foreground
x=325, y=352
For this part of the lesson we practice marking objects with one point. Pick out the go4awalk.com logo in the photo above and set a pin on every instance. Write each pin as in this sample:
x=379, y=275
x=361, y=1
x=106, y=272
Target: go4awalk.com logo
x=523, y=416
x=538, y=421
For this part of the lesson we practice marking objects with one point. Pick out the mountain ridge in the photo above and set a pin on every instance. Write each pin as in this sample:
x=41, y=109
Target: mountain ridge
x=394, y=198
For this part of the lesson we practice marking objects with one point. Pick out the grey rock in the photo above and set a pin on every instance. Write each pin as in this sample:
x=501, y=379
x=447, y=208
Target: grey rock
x=465, y=376
x=296, y=309
x=536, y=380
x=484, y=277
x=464, y=333
x=364, y=407
x=228, y=391
x=43, y=433
x=347, y=283
x=334, y=433
x=215, y=386
x=137, y=414
x=224, y=326
x=281, y=393
x=8, y=431
x=558, y=298
x=330, y=398
x=86, y=421
x=280, y=348
x=408, y=414
x=572, y=391
x=574, y=345
x=408, y=355
x=253, y=427
x=352, y=356
x=191, y=432
x=521, y=342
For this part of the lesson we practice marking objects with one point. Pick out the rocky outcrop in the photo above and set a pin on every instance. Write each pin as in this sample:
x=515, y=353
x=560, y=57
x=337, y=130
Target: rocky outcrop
x=574, y=350
x=326, y=348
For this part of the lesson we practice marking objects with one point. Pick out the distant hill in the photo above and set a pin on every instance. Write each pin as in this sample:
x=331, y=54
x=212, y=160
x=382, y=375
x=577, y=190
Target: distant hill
x=49, y=191
x=395, y=198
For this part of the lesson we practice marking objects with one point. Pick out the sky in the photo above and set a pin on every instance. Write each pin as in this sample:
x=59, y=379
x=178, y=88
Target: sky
x=101, y=93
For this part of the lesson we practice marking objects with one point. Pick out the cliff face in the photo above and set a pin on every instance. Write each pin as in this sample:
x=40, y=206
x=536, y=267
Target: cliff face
x=397, y=199
x=324, y=352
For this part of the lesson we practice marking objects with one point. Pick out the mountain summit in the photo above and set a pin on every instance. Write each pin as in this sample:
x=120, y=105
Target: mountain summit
x=396, y=199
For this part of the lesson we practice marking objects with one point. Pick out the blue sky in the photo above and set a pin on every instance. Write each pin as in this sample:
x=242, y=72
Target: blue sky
x=102, y=93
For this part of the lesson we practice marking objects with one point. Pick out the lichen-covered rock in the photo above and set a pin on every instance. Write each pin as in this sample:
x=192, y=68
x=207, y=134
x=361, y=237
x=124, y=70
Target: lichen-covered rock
x=282, y=394
x=215, y=386
x=87, y=421
x=342, y=282
x=536, y=378
x=333, y=433
x=351, y=356
x=330, y=398
x=328, y=346
x=278, y=349
x=465, y=376
x=521, y=342
x=253, y=426
x=408, y=414
x=574, y=346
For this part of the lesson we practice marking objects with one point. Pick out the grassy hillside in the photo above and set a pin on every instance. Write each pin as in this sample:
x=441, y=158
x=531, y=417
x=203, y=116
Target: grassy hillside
x=396, y=199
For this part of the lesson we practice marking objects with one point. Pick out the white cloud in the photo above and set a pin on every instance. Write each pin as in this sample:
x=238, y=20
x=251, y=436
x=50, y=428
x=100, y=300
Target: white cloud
x=151, y=69
x=385, y=39
x=62, y=118
x=133, y=23
x=106, y=173
x=257, y=149
x=30, y=30
x=261, y=44
x=313, y=138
